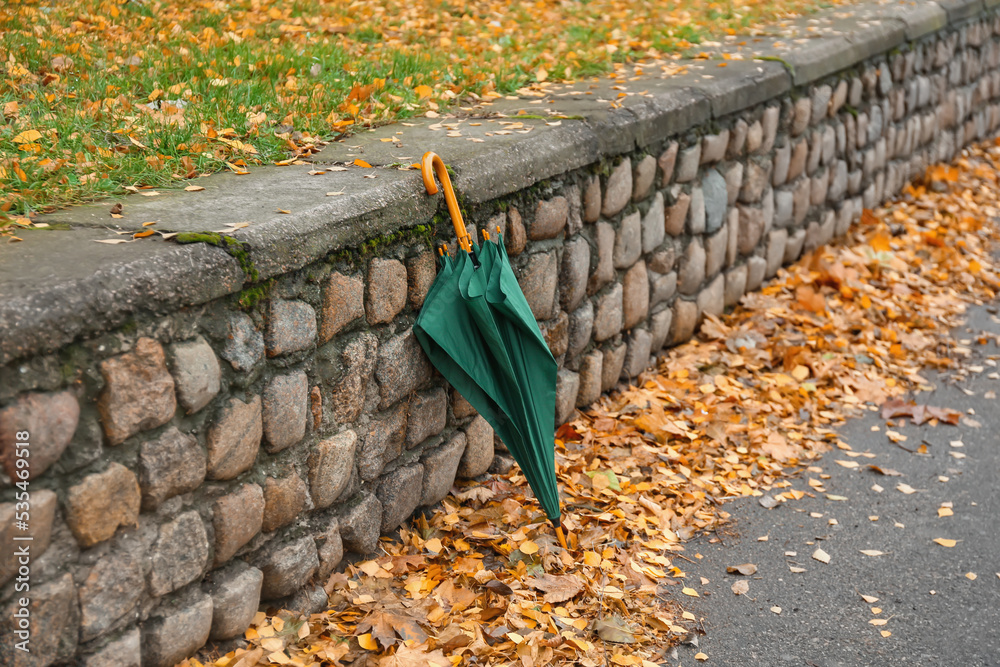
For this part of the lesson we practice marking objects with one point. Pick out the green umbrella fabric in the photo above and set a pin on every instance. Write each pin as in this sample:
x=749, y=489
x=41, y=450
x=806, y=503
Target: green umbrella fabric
x=477, y=329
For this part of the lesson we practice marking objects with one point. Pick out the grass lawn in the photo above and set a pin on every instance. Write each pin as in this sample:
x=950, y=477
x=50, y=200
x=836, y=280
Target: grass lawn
x=100, y=95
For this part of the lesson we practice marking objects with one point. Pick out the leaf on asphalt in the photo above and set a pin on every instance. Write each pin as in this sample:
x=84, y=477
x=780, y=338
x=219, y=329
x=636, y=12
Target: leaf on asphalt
x=885, y=633
x=613, y=629
x=361, y=163
x=919, y=414
x=796, y=570
x=945, y=542
x=740, y=587
x=870, y=599
x=744, y=569
x=872, y=552
x=334, y=194
x=945, y=511
x=690, y=592
x=847, y=464
x=700, y=657
x=776, y=609
x=888, y=472
x=971, y=576
x=557, y=587
x=878, y=621
x=821, y=556
x=768, y=501
x=905, y=488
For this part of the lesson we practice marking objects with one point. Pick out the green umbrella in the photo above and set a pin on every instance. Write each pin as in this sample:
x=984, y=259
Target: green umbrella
x=477, y=329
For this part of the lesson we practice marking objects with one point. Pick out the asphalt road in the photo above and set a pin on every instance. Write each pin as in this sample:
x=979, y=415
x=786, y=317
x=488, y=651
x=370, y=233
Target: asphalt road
x=936, y=614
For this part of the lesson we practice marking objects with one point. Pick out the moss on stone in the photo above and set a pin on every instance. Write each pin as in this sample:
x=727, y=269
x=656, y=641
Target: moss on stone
x=237, y=249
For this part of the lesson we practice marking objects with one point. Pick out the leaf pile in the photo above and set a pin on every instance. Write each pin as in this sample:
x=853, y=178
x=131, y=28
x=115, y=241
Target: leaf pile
x=100, y=94
x=735, y=413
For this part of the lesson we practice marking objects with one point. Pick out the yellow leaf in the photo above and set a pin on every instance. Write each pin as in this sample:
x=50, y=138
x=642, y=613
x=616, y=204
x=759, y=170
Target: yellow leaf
x=878, y=621
x=945, y=511
x=423, y=91
x=367, y=642
x=27, y=137
x=361, y=163
x=690, y=592
x=971, y=576
x=885, y=633
x=591, y=558
x=528, y=547
x=700, y=656
x=433, y=545
x=945, y=542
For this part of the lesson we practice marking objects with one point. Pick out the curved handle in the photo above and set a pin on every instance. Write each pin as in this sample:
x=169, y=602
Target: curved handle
x=430, y=164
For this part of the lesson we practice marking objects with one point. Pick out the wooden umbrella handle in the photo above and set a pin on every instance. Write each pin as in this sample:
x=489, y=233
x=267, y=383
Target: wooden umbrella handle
x=430, y=164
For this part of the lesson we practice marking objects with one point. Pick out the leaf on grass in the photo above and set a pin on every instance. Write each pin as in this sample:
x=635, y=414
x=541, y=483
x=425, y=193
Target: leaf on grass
x=821, y=556
x=740, y=587
x=557, y=587
x=945, y=542
x=744, y=569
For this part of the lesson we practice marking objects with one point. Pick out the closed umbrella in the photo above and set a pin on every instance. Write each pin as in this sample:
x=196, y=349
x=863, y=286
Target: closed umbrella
x=477, y=329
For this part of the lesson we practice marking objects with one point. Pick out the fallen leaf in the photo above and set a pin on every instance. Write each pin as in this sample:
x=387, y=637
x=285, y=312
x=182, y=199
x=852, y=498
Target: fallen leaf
x=361, y=163
x=878, y=621
x=193, y=188
x=334, y=194
x=700, y=656
x=888, y=472
x=740, y=587
x=557, y=588
x=872, y=552
x=945, y=511
x=905, y=488
x=113, y=241
x=821, y=556
x=690, y=592
x=528, y=547
x=971, y=576
x=613, y=629
x=796, y=570
x=945, y=542
x=870, y=599
x=776, y=609
x=885, y=633
x=745, y=569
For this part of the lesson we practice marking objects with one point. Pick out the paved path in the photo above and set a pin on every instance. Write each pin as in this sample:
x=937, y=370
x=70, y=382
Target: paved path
x=936, y=614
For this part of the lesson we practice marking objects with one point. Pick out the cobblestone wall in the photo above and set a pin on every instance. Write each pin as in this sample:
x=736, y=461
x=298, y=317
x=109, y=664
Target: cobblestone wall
x=185, y=469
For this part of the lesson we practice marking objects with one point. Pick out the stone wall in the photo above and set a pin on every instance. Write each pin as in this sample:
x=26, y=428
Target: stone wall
x=186, y=467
